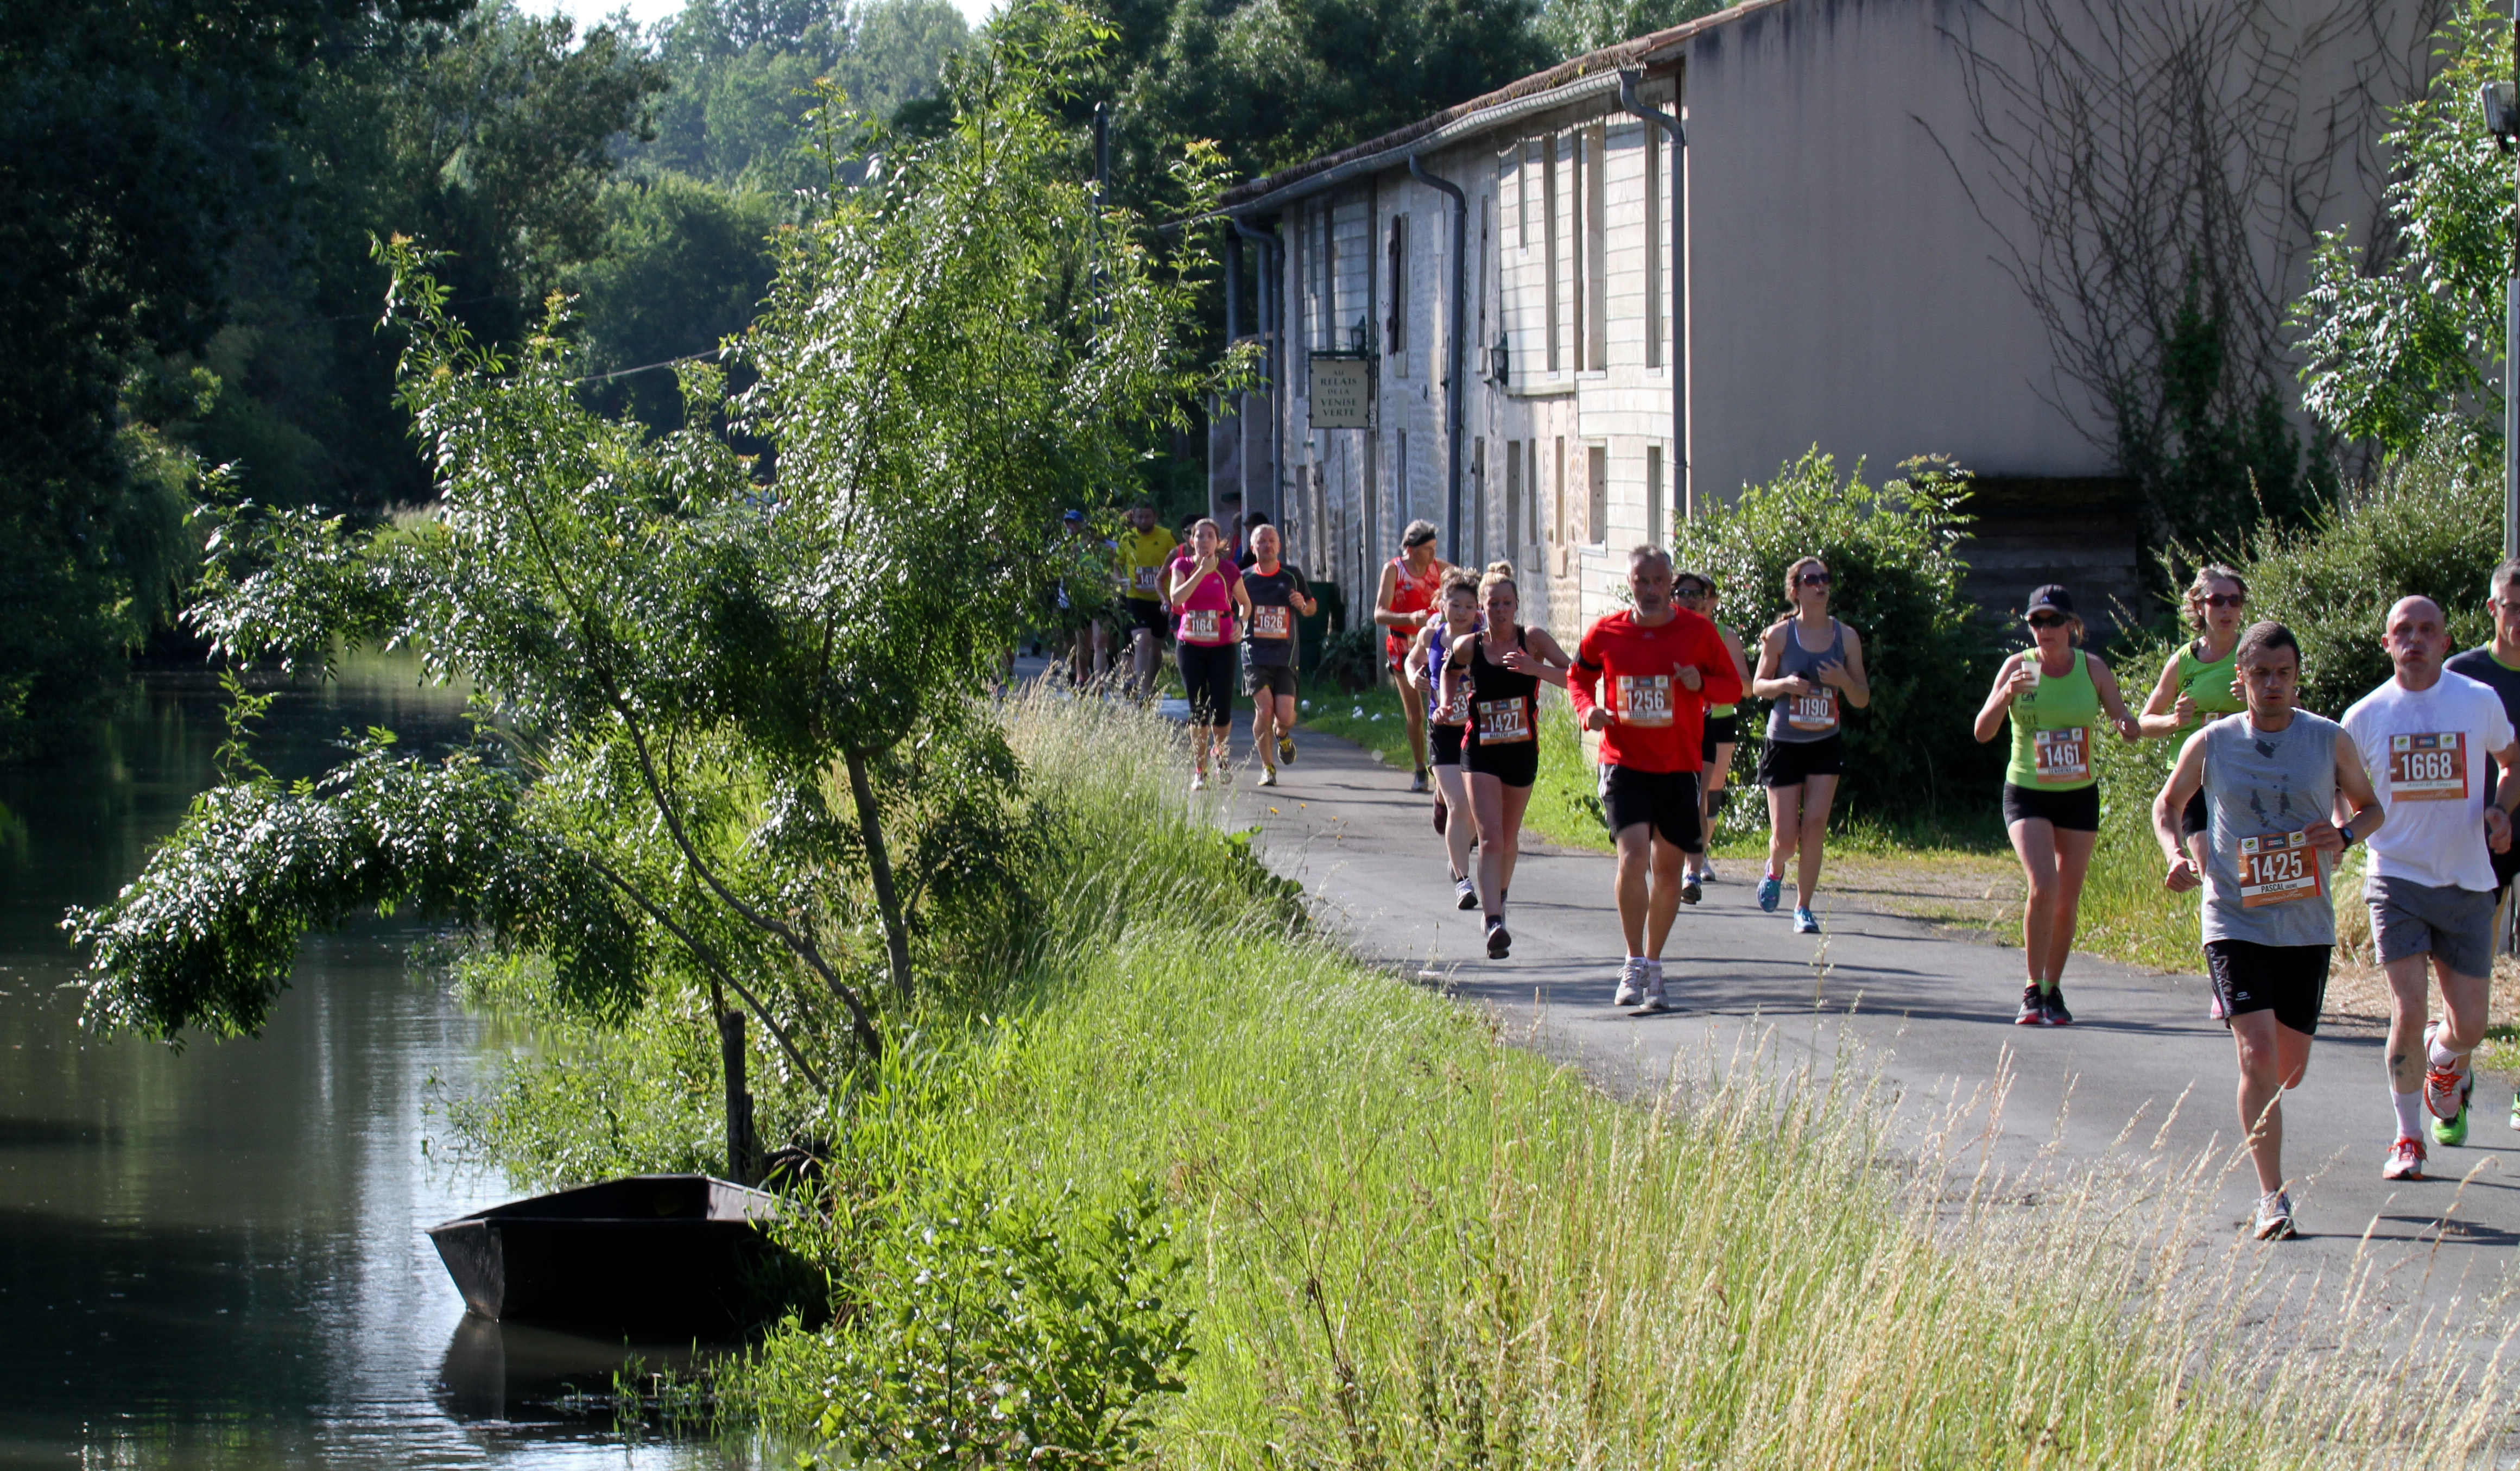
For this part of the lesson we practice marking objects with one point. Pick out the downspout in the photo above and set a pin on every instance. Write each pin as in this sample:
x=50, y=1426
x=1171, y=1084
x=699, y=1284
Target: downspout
x=1265, y=312
x=1453, y=370
x=1628, y=101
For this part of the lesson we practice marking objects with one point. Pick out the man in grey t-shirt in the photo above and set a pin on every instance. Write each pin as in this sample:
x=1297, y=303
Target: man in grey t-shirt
x=2270, y=776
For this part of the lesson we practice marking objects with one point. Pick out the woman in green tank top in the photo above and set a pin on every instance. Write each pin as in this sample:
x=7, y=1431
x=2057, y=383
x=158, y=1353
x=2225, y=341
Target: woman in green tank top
x=2195, y=686
x=2052, y=695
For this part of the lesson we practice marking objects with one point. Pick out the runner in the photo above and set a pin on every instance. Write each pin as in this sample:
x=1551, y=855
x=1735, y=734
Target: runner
x=2425, y=737
x=1274, y=594
x=1080, y=598
x=2055, y=693
x=1204, y=587
x=1496, y=674
x=1145, y=550
x=1403, y=604
x=2269, y=777
x=1447, y=714
x=1808, y=663
x=1696, y=592
x=2496, y=665
x=2197, y=684
x=1663, y=665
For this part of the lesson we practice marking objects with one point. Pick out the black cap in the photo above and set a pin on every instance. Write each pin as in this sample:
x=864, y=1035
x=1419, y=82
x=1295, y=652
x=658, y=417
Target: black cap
x=2052, y=598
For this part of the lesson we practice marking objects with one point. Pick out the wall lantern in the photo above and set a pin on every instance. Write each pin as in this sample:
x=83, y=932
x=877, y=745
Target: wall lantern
x=1496, y=361
x=1357, y=336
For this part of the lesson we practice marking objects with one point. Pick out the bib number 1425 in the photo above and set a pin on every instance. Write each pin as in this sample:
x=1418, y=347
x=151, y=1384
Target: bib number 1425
x=2277, y=869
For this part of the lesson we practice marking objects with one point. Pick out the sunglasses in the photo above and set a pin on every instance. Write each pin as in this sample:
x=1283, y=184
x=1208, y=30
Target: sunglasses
x=2227, y=600
x=1692, y=594
x=2046, y=621
x=1812, y=580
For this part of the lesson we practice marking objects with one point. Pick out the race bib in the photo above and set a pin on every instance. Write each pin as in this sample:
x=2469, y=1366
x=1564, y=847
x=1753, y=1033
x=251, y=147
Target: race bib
x=1817, y=711
x=2429, y=768
x=1645, y=699
x=2062, y=754
x=1147, y=577
x=1270, y=620
x=2277, y=869
x=1502, y=722
x=1198, y=624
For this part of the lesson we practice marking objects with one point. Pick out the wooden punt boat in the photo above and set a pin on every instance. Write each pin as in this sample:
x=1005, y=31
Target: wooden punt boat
x=678, y=1255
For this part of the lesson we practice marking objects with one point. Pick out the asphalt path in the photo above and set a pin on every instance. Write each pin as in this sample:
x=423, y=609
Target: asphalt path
x=2143, y=1074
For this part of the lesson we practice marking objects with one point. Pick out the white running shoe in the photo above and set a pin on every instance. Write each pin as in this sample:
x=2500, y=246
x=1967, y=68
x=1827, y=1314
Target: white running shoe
x=2274, y=1218
x=1466, y=894
x=1268, y=776
x=1654, y=1001
x=1631, y=982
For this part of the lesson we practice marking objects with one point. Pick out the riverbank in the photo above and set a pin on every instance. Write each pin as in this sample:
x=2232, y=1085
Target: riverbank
x=1200, y=1182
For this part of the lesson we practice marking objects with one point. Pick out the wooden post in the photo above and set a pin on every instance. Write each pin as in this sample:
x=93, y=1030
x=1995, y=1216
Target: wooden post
x=740, y=1150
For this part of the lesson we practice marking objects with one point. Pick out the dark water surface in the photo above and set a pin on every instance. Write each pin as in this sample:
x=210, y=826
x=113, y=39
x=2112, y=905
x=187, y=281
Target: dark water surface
x=213, y=1258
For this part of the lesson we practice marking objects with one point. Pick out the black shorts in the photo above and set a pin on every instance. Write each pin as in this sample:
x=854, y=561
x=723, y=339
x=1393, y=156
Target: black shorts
x=1268, y=680
x=1148, y=614
x=2074, y=811
x=2193, y=818
x=2505, y=864
x=1787, y=763
x=1207, y=677
x=1667, y=800
x=2289, y=980
x=1444, y=743
x=1720, y=730
x=1516, y=763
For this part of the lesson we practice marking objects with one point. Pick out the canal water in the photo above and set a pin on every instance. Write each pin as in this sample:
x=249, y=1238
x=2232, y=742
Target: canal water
x=213, y=1258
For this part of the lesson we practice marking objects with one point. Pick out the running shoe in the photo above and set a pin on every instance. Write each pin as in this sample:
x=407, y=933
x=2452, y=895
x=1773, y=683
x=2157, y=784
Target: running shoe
x=1286, y=751
x=1805, y=922
x=1706, y=875
x=2274, y=1218
x=2515, y=1110
x=2405, y=1160
x=1500, y=942
x=2034, y=1007
x=1631, y=984
x=1466, y=893
x=1199, y=781
x=2057, y=1015
x=1268, y=776
x=1417, y=783
x=1771, y=889
x=1653, y=987
x=2444, y=1094
x=1690, y=893
x=2449, y=1133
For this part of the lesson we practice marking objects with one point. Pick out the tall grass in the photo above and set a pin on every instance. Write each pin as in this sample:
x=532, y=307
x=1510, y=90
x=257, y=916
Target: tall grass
x=1409, y=1242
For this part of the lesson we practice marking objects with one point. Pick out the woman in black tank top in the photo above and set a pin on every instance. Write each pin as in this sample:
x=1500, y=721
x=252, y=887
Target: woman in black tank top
x=1503, y=671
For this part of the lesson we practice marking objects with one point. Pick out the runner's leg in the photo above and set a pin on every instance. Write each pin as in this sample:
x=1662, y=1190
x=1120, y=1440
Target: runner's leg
x=2034, y=843
x=1784, y=826
x=1413, y=711
x=1665, y=906
x=1636, y=857
x=1817, y=793
x=1264, y=718
x=2073, y=861
x=2272, y=1058
x=1454, y=783
x=2463, y=1000
x=1709, y=788
x=1487, y=811
x=1511, y=804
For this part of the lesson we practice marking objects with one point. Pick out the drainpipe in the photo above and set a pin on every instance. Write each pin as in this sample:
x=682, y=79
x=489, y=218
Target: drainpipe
x=1265, y=313
x=1453, y=371
x=1683, y=495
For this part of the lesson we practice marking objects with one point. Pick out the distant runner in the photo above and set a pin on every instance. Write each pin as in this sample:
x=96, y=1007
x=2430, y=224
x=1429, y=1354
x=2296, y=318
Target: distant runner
x=1447, y=716
x=1696, y=592
x=2496, y=665
x=1660, y=667
x=1810, y=665
x=1275, y=594
x=1498, y=673
x=1204, y=588
x=2197, y=685
x=1080, y=598
x=2269, y=778
x=2425, y=737
x=1403, y=603
x=2054, y=693
x=1145, y=550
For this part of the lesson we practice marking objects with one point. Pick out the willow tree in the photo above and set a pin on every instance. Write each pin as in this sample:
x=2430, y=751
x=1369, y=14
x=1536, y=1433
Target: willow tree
x=705, y=663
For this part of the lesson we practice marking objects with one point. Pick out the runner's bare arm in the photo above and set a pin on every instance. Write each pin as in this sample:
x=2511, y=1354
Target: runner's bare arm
x=1583, y=680
x=1414, y=663
x=2168, y=710
x=2106, y=685
x=1242, y=600
x=1539, y=657
x=1999, y=700
x=2506, y=796
x=1384, y=592
x=1719, y=678
x=1740, y=661
x=2353, y=785
x=1304, y=600
x=2184, y=778
x=1848, y=675
x=1772, y=657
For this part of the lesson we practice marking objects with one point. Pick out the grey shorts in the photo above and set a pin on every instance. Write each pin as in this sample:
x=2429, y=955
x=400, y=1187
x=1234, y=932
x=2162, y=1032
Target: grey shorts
x=1268, y=680
x=2454, y=924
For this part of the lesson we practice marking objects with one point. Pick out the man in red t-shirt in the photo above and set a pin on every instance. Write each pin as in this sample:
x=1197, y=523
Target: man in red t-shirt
x=1644, y=678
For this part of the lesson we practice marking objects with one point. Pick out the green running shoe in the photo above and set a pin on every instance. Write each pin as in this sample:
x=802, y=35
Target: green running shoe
x=2451, y=1132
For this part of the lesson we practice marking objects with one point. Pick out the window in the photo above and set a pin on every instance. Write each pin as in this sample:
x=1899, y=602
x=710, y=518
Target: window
x=1594, y=295
x=1653, y=494
x=1549, y=238
x=1654, y=245
x=1597, y=471
x=1402, y=511
x=1522, y=192
x=1514, y=501
x=1478, y=500
x=1577, y=256
x=1397, y=264
x=1561, y=491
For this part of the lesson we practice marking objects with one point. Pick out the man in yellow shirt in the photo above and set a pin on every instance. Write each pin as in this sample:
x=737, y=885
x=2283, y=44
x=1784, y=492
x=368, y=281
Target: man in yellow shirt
x=1146, y=549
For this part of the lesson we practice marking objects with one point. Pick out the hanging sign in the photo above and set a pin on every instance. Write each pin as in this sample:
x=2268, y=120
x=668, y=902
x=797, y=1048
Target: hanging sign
x=1342, y=396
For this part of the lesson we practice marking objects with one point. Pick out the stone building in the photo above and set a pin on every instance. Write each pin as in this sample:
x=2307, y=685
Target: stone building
x=1900, y=226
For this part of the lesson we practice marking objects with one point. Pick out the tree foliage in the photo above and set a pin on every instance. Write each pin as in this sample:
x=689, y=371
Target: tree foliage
x=2406, y=347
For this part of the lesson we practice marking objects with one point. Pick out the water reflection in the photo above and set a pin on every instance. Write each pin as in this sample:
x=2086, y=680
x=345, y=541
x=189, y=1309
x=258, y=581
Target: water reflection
x=213, y=1258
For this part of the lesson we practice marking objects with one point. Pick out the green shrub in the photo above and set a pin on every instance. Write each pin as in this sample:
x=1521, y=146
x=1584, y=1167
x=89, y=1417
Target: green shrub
x=1352, y=658
x=1893, y=552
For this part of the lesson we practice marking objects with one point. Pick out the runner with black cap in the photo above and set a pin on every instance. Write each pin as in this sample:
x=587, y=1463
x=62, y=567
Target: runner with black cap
x=2054, y=693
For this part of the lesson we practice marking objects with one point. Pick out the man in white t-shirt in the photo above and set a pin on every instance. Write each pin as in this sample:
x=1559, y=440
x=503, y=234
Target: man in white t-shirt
x=2431, y=741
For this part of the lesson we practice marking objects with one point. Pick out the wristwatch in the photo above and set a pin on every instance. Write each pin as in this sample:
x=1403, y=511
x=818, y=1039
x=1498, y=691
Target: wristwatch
x=2345, y=832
